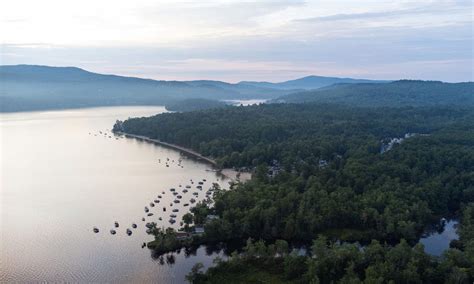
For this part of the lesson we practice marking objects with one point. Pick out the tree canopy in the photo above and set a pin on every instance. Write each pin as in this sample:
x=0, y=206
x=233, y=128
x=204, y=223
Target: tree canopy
x=323, y=170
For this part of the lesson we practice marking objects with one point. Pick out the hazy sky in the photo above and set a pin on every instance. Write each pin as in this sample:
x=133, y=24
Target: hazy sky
x=243, y=40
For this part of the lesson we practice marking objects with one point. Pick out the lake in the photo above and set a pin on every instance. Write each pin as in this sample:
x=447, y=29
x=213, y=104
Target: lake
x=246, y=102
x=64, y=172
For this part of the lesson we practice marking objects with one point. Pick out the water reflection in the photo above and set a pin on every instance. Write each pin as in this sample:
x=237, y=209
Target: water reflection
x=60, y=178
x=437, y=239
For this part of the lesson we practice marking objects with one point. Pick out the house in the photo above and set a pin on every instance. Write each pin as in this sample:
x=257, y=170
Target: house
x=182, y=235
x=211, y=217
x=323, y=164
x=198, y=230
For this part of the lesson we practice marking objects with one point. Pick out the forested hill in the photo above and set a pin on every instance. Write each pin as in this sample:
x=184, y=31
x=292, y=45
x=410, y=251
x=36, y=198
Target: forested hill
x=332, y=172
x=30, y=87
x=309, y=83
x=323, y=170
x=236, y=135
x=393, y=94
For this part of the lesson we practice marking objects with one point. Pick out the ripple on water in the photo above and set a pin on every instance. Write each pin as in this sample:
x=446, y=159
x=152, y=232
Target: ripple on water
x=62, y=181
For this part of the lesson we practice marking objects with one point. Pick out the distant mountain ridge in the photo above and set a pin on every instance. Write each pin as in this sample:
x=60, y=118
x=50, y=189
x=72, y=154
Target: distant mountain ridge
x=36, y=87
x=33, y=87
x=394, y=94
x=309, y=82
x=194, y=104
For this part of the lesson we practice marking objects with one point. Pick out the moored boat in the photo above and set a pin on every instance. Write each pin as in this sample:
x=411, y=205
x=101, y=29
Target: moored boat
x=149, y=225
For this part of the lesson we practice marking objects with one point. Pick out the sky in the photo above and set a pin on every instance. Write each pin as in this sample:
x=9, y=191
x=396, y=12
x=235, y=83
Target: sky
x=244, y=40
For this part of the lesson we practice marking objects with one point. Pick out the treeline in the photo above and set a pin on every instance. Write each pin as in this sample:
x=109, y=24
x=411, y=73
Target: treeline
x=394, y=94
x=335, y=262
x=356, y=194
x=319, y=170
x=249, y=136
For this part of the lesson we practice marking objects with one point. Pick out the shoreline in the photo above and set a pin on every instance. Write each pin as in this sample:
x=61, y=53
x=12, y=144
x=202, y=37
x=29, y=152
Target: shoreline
x=239, y=176
x=171, y=146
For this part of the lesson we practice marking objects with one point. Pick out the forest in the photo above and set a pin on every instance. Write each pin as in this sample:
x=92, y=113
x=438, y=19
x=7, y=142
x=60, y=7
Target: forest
x=394, y=94
x=321, y=175
x=336, y=262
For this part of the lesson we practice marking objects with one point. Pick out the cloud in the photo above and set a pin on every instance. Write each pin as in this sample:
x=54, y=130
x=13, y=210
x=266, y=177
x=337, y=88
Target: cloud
x=421, y=10
x=359, y=16
x=243, y=40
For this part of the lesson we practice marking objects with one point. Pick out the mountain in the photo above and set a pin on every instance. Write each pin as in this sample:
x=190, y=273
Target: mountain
x=394, y=94
x=308, y=83
x=249, y=90
x=32, y=87
x=194, y=105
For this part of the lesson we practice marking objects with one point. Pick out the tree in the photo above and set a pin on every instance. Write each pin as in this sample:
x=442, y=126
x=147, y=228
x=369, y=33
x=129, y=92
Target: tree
x=188, y=220
x=196, y=274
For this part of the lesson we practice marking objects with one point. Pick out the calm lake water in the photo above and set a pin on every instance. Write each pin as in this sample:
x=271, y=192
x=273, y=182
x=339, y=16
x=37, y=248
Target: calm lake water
x=59, y=177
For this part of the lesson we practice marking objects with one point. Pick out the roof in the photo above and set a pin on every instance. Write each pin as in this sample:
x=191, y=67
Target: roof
x=198, y=229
